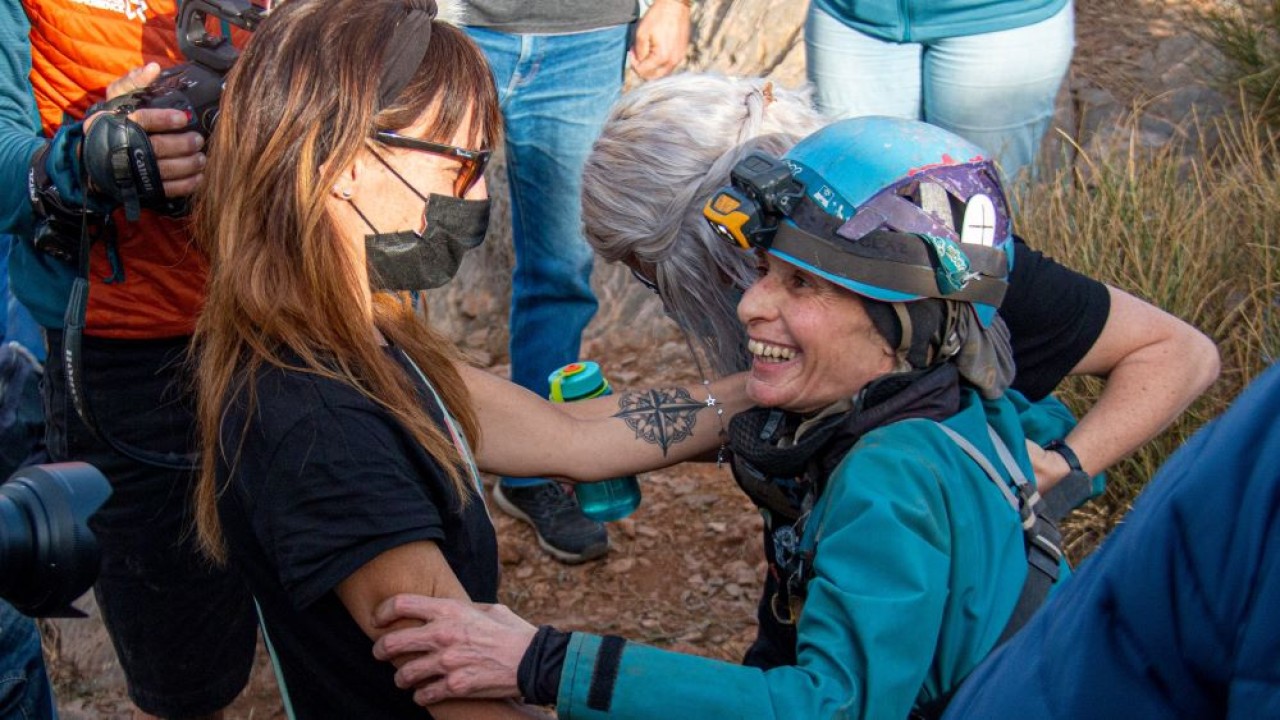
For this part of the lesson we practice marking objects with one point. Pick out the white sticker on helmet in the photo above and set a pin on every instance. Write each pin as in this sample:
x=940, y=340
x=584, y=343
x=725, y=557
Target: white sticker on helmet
x=979, y=226
x=935, y=201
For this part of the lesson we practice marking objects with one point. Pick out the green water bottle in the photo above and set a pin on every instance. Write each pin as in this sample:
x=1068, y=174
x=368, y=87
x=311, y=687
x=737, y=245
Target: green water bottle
x=606, y=500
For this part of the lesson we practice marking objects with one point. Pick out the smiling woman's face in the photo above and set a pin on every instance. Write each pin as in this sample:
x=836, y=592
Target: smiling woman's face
x=811, y=341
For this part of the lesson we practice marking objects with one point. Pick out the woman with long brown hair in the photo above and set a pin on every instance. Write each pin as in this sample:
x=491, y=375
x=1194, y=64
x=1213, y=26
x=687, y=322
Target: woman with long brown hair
x=337, y=426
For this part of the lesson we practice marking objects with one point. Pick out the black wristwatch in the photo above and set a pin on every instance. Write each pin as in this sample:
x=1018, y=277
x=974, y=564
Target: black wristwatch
x=1067, y=454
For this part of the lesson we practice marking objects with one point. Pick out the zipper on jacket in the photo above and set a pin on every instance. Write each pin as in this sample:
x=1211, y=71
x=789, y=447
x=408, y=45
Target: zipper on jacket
x=906, y=19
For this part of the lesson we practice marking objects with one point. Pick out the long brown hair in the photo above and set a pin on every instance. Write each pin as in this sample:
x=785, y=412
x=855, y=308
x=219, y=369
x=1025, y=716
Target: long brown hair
x=299, y=105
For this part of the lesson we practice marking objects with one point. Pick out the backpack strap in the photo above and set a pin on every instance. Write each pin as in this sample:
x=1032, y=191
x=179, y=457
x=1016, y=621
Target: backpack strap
x=1042, y=539
x=1070, y=493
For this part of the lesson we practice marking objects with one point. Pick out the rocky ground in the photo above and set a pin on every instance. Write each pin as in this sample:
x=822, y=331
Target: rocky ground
x=684, y=570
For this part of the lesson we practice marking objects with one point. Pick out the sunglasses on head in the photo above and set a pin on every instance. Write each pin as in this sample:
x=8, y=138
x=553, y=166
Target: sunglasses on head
x=644, y=280
x=472, y=162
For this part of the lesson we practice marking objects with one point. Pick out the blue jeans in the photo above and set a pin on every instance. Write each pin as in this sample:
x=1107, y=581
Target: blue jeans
x=16, y=322
x=996, y=90
x=555, y=92
x=24, y=687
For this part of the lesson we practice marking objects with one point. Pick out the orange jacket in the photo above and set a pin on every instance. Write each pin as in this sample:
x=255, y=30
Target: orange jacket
x=77, y=48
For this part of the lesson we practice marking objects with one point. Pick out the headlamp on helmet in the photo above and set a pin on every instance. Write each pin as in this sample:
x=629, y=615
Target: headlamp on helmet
x=747, y=213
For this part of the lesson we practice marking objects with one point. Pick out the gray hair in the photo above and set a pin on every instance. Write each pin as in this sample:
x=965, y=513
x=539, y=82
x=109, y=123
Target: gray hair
x=666, y=147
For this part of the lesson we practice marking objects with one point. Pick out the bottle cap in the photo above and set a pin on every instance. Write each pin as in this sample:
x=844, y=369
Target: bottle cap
x=577, y=381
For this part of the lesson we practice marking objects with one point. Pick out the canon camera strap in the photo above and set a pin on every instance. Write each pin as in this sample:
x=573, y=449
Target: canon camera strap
x=73, y=364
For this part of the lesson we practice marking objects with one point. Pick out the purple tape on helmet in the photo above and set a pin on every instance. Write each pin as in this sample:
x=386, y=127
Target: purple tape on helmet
x=890, y=210
x=896, y=213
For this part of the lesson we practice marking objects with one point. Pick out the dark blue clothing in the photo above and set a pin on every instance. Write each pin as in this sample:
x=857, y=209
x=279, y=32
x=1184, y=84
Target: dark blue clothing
x=24, y=687
x=1178, y=614
x=16, y=323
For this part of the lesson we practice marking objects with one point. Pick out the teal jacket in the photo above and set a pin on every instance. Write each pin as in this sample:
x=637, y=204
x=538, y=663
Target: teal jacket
x=39, y=281
x=924, y=21
x=919, y=561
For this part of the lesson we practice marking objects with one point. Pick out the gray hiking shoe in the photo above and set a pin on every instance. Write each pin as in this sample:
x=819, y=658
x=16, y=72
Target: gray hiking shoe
x=562, y=530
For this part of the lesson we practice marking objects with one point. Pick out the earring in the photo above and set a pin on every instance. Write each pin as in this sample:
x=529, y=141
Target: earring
x=345, y=193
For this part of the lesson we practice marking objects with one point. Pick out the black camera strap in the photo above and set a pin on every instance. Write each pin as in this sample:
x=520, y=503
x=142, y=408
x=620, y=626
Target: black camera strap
x=73, y=371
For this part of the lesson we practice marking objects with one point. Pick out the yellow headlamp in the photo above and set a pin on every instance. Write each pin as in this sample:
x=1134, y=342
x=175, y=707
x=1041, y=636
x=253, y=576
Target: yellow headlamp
x=747, y=212
x=734, y=216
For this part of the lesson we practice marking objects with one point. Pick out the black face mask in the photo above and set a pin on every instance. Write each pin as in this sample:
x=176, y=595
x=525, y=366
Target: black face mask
x=406, y=260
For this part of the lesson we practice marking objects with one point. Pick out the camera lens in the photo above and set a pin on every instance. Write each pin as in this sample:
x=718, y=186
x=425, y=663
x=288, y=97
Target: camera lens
x=48, y=556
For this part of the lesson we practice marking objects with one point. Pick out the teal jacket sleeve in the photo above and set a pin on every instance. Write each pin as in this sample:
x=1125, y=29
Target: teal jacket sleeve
x=39, y=281
x=20, y=132
x=867, y=634
x=19, y=121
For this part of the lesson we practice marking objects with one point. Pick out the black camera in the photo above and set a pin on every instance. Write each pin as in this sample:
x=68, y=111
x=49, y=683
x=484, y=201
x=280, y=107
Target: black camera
x=195, y=87
x=48, y=555
x=117, y=154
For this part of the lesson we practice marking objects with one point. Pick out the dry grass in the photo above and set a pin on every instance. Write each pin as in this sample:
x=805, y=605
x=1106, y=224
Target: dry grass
x=1196, y=234
x=1247, y=33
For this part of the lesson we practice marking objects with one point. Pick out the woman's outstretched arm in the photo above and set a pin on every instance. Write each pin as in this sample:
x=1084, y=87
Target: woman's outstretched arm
x=633, y=431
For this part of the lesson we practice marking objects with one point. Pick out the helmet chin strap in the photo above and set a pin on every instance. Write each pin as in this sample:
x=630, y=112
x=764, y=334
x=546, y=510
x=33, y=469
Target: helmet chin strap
x=940, y=344
x=904, y=344
x=951, y=341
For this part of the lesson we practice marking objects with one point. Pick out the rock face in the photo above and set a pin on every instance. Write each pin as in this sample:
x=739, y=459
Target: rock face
x=1128, y=56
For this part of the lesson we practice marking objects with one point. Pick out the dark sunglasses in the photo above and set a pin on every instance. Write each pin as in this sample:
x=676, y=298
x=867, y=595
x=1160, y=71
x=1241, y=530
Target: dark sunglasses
x=473, y=162
x=644, y=280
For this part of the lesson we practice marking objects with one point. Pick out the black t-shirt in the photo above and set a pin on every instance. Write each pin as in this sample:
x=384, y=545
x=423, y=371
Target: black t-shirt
x=1054, y=316
x=324, y=481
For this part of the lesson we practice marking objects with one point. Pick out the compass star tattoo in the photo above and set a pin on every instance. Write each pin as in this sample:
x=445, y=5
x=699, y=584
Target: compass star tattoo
x=662, y=416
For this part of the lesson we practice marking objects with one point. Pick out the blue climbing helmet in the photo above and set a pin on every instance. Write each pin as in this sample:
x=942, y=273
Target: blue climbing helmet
x=893, y=210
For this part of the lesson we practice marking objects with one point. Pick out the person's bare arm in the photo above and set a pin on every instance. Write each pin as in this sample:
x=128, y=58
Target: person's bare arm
x=419, y=568
x=524, y=435
x=1154, y=365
